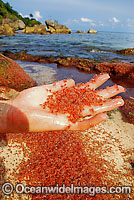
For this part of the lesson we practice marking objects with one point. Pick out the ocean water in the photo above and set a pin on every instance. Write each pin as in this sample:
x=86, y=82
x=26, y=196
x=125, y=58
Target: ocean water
x=99, y=46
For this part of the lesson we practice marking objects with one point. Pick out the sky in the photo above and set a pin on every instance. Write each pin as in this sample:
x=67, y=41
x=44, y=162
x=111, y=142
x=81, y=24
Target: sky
x=100, y=15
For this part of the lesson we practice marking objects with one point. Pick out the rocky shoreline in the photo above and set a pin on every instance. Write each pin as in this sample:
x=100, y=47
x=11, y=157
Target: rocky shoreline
x=120, y=72
x=9, y=27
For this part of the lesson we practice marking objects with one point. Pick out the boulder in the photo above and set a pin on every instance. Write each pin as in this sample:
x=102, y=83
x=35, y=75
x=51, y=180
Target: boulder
x=5, y=29
x=127, y=52
x=17, y=25
x=13, y=76
x=54, y=27
x=51, y=30
x=14, y=24
x=28, y=30
x=37, y=29
x=92, y=31
x=80, y=32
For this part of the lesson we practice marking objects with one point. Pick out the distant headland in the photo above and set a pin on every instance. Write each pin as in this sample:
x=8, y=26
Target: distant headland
x=11, y=22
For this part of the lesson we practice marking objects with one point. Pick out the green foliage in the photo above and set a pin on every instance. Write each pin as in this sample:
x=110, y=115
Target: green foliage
x=3, y=12
x=6, y=11
x=30, y=22
x=13, y=17
x=0, y=19
x=1, y=4
x=56, y=21
x=31, y=15
x=8, y=7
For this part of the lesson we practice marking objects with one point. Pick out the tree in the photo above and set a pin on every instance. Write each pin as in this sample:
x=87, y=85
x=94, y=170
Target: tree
x=31, y=15
x=56, y=21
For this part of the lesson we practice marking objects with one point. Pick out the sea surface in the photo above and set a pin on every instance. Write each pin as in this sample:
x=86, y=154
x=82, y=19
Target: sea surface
x=100, y=46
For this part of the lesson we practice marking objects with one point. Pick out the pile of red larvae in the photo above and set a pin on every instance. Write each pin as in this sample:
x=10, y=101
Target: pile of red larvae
x=71, y=101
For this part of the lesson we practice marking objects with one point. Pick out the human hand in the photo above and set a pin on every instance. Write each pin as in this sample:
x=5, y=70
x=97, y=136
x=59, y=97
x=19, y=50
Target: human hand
x=27, y=114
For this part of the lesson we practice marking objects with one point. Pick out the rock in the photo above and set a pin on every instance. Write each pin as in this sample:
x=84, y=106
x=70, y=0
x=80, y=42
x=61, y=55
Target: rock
x=7, y=93
x=24, y=56
x=13, y=76
x=127, y=52
x=8, y=26
x=7, y=21
x=121, y=73
x=127, y=110
x=17, y=25
x=40, y=29
x=82, y=64
x=51, y=29
x=37, y=29
x=54, y=27
x=5, y=29
x=28, y=30
x=14, y=24
x=80, y=32
x=92, y=31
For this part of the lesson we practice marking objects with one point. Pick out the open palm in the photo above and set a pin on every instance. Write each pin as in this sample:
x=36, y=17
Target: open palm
x=28, y=105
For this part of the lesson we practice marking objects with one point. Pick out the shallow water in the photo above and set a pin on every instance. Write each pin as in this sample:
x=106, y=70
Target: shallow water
x=98, y=46
x=48, y=73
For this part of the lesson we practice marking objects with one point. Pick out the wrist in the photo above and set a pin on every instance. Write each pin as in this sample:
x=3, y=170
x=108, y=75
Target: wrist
x=12, y=119
x=5, y=107
x=16, y=119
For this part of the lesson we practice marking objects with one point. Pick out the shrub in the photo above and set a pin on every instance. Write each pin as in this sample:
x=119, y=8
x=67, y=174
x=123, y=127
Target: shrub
x=7, y=11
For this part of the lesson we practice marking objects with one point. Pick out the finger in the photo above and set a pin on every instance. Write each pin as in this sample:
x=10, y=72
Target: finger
x=111, y=91
x=99, y=80
x=88, y=123
x=61, y=84
x=107, y=106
